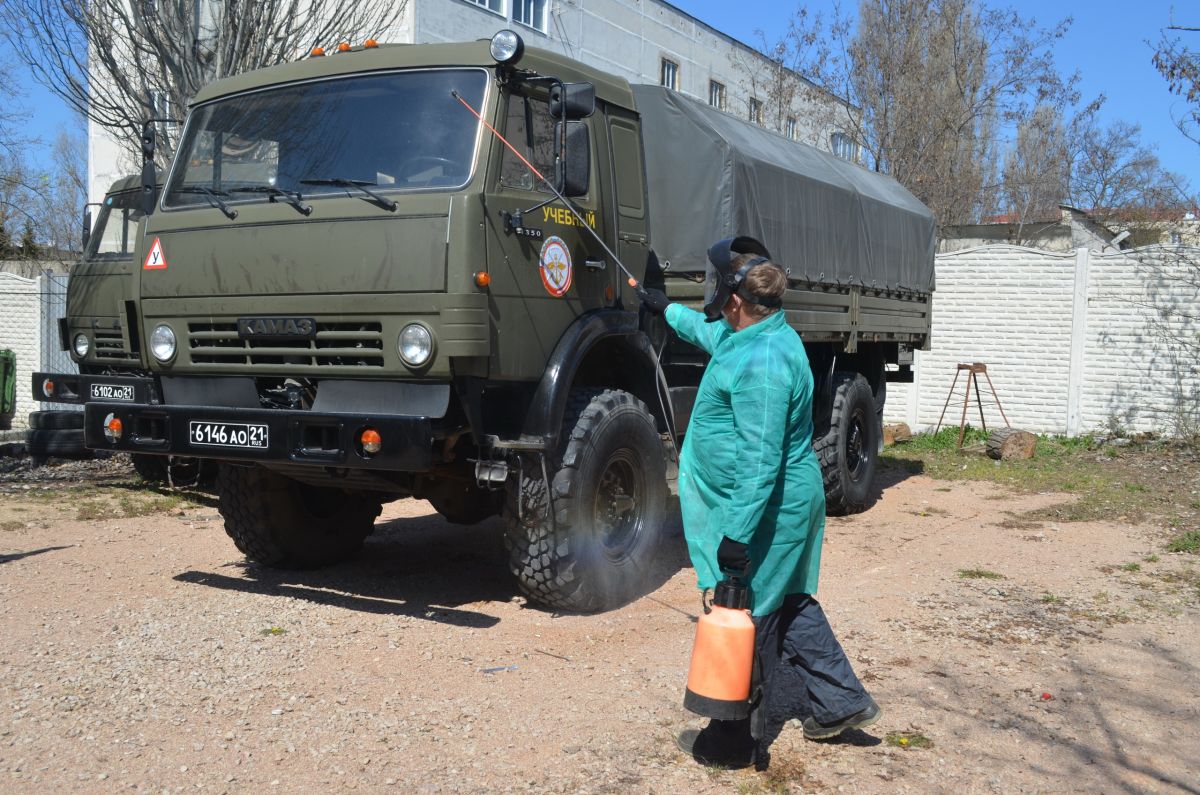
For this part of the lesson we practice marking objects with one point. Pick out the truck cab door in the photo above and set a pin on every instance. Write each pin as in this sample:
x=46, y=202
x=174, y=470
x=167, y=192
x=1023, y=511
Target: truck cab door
x=545, y=270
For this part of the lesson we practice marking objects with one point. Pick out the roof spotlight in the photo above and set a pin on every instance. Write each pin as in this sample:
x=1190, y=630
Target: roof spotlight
x=507, y=47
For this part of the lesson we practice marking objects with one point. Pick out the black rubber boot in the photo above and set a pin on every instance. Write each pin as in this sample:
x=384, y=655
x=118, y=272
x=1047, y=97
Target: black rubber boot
x=723, y=743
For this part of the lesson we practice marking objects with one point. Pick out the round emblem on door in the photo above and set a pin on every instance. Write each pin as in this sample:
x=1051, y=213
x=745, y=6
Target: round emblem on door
x=555, y=266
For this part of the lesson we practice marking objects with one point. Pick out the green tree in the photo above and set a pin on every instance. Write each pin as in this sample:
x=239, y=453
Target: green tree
x=29, y=246
x=6, y=249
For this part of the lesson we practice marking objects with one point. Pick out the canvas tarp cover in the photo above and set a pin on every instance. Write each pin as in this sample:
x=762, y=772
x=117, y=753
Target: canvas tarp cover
x=712, y=176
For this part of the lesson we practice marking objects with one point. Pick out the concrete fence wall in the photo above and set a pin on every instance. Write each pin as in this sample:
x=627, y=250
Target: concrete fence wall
x=29, y=312
x=1074, y=343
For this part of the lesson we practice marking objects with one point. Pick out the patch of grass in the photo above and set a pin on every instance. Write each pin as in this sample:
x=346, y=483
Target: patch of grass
x=979, y=574
x=1151, y=559
x=1125, y=487
x=1051, y=599
x=1188, y=542
x=273, y=631
x=1132, y=567
x=11, y=524
x=908, y=740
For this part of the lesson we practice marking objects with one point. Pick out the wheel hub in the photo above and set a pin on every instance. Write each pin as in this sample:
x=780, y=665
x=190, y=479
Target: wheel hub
x=617, y=505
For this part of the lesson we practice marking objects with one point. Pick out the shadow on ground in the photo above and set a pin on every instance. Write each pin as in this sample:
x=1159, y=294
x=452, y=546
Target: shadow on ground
x=421, y=567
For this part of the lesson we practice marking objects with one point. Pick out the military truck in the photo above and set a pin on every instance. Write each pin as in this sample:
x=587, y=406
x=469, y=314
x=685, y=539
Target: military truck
x=95, y=330
x=399, y=271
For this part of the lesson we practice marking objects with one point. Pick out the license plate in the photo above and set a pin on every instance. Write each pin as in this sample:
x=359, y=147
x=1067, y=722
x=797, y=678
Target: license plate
x=228, y=434
x=112, y=392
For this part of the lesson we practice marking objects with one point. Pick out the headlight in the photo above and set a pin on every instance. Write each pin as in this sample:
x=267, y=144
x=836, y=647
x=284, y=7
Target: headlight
x=81, y=345
x=162, y=343
x=416, y=345
x=507, y=47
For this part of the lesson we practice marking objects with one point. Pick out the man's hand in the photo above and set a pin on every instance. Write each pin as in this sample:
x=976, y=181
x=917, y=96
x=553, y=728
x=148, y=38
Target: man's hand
x=654, y=300
x=733, y=557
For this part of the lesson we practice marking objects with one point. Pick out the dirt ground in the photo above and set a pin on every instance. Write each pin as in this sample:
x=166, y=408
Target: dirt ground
x=138, y=652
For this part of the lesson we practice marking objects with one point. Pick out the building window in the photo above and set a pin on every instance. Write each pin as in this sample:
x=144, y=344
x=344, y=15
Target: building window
x=495, y=6
x=1176, y=238
x=529, y=12
x=716, y=94
x=844, y=147
x=790, y=128
x=669, y=74
x=755, y=111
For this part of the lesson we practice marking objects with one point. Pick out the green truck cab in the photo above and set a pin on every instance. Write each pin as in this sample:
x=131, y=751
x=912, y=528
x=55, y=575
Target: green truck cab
x=353, y=290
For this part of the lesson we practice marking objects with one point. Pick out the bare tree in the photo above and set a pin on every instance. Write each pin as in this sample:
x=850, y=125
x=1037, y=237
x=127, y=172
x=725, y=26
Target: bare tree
x=931, y=85
x=774, y=76
x=1113, y=173
x=1035, y=173
x=1180, y=65
x=143, y=59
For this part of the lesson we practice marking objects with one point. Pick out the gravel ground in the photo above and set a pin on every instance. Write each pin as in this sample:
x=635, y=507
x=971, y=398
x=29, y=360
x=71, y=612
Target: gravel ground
x=139, y=652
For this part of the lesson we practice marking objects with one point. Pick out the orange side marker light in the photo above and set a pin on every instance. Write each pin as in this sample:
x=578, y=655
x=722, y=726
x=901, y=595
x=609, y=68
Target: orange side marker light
x=371, y=441
x=482, y=279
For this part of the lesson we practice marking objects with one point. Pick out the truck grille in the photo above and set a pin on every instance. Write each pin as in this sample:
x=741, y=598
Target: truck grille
x=335, y=345
x=110, y=347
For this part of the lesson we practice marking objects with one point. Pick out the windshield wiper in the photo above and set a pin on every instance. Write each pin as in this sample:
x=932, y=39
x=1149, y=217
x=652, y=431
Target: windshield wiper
x=357, y=184
x=292, y=197
x=213, y=196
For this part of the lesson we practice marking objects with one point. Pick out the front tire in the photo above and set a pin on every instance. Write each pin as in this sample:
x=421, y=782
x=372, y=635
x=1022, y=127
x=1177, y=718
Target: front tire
x=849, y=451
x=594, y=548
x=281, y=523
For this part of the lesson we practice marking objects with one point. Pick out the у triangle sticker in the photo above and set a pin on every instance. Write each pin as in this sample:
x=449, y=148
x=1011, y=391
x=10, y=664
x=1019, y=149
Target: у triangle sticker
x=155, y=260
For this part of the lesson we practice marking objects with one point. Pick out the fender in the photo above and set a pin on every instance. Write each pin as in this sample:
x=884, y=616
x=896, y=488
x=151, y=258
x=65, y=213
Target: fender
x=614, y=332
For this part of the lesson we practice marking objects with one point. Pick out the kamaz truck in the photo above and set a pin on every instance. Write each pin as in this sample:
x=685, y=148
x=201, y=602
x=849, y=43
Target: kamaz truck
x=407, y=271
x=95, y=330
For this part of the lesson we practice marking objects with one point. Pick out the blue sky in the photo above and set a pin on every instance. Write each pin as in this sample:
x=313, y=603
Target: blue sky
x=1107, y=43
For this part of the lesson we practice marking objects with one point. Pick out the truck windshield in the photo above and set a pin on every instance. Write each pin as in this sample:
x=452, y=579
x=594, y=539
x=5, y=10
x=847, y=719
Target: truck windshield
x=115, y=227
x=394, y=132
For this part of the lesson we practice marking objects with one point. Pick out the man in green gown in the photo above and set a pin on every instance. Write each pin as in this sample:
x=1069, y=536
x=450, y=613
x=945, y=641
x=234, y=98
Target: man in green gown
x=753, y=502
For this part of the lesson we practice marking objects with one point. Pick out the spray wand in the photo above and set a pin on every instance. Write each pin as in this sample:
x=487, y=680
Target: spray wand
x=632, y=281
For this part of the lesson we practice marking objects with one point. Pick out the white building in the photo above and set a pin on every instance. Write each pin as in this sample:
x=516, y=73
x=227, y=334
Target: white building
x=643, y=41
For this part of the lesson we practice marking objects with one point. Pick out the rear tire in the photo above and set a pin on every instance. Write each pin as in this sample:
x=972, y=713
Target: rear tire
x=279, y=522
x=463, y=502
x=65, y=443
x=849, y=451
x=609, y=507
x=55, y=420
x=150, y=468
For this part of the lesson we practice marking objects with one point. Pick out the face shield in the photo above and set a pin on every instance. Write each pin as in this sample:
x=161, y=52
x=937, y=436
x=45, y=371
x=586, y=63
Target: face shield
x=720, y=281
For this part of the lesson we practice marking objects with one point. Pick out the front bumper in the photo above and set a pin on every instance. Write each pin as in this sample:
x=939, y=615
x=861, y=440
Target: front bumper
x=76, y=388
x=303, y=437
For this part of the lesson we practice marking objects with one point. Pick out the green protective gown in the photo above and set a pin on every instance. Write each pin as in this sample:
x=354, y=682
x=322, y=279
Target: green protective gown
x=747, y=469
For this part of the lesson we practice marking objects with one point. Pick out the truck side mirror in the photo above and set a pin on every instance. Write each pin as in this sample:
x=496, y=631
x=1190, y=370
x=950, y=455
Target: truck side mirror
x=572, y=100
x=573, y=168
x=149, y=176
x=87, y=227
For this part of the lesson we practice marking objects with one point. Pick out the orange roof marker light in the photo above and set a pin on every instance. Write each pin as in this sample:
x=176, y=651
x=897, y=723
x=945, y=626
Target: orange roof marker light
x=482, y=279
x=370, y=44
x=317, y=52
x=344, y=47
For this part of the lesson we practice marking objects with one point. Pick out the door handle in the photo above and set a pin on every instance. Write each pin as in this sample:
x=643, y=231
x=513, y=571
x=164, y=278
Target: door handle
x=594, y=264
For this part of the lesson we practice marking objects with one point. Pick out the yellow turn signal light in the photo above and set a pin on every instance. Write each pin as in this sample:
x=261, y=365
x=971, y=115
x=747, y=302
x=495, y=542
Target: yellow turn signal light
x=371, y=442
x=48, y=388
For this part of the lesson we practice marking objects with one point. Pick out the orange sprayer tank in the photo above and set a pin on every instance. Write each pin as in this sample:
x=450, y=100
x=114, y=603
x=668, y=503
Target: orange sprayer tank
x=723, y=656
